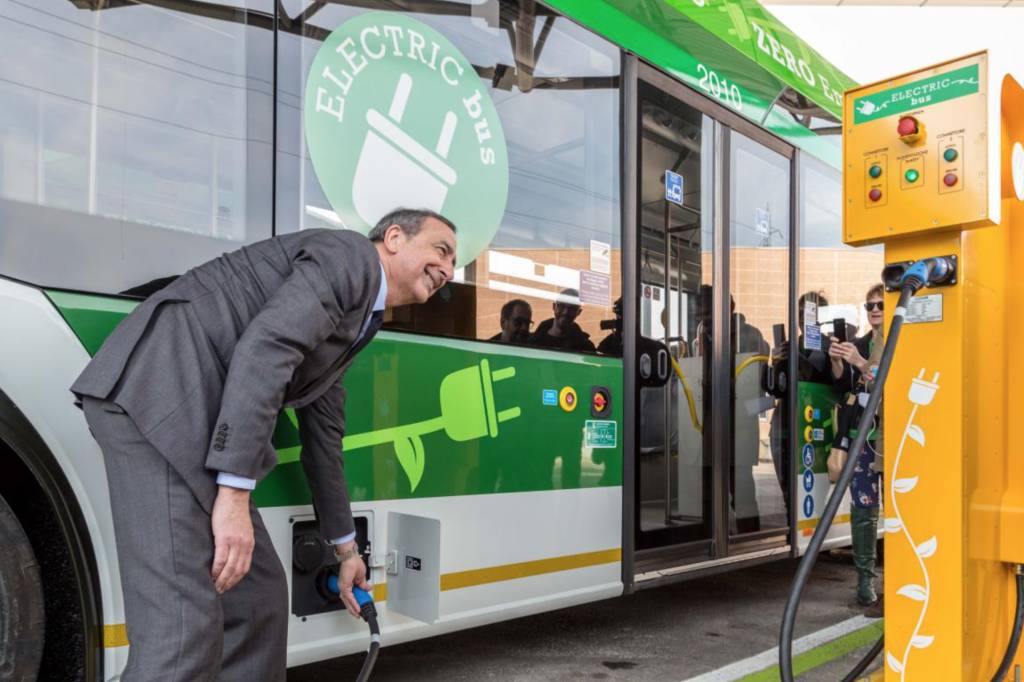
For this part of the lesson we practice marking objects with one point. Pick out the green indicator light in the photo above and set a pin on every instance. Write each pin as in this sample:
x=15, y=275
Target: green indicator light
x=950, y=154
x=911, y=175
x=875, y=171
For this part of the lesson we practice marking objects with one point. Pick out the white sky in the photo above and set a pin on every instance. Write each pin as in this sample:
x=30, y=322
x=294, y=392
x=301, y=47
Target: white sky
x=873, y=43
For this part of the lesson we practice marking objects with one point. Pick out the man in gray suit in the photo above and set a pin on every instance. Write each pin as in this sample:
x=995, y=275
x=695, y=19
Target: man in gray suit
x=183, y=398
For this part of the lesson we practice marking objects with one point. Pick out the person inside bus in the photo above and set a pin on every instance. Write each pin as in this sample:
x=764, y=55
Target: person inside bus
x=812, y=366
x=516, y=319
x=854, y=364
x=183, y=398
x=612, y=344
x=561, y=331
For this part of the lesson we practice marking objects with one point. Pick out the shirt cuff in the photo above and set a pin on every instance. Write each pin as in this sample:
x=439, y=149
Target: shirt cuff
x=233, y=481
x=343, y=539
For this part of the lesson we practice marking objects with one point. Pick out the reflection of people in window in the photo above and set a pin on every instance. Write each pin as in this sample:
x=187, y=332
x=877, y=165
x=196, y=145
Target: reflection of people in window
x=612, y=344
x=812, y=366
x=747, y=341
x=561, y=331
x=516, y=320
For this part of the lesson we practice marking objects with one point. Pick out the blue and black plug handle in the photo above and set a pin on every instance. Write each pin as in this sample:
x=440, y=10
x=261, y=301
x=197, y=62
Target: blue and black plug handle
x=368, y=612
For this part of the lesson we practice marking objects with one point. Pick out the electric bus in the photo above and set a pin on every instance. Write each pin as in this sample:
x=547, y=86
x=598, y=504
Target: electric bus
x=634, y=183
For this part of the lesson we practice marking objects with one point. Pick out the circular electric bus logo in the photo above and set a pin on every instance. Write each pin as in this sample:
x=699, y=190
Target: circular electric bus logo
x=396, y=116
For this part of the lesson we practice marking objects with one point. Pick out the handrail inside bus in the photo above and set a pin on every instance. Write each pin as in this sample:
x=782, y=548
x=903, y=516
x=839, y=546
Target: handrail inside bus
x=689, y=395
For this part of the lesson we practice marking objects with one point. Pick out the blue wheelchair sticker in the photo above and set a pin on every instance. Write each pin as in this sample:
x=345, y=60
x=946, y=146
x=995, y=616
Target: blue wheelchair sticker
x=808, y=455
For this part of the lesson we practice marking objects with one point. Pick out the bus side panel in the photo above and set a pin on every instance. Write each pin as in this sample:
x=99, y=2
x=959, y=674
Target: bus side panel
x=41, y=357
x=500, y=444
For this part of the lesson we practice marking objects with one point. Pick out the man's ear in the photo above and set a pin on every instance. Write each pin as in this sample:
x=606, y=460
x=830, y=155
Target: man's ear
x=393, y=237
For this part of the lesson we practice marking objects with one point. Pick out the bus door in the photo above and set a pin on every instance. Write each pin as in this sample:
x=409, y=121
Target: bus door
x=674, y=467
x=713, y=223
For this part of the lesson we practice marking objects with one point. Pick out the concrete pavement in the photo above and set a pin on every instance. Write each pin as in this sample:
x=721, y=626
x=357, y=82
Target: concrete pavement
x=668, y=633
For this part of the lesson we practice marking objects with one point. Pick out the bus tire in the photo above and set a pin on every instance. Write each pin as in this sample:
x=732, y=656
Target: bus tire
x=35, y=488
x=22, y=615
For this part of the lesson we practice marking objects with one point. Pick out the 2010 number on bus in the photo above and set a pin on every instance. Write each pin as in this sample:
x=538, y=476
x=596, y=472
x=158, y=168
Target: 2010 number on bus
x=719, y=87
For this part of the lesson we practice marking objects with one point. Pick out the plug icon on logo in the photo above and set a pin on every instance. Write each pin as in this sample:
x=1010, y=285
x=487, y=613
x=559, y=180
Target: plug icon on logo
x=392, y=162
x=468, y=412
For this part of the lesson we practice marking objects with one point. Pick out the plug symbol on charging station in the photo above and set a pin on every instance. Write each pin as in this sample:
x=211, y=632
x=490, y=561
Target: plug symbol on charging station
x=392, y=162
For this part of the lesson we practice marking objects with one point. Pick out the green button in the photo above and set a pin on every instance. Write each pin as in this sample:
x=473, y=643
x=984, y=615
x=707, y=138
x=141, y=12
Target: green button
x=950, y=154
x=875, y=171
x=911, y=175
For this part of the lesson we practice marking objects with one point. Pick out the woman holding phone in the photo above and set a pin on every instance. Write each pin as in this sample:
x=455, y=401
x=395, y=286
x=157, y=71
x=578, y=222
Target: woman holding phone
x=854, y=364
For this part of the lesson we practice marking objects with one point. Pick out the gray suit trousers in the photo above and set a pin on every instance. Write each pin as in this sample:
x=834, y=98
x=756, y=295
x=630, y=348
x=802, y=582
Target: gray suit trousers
x=179, y=628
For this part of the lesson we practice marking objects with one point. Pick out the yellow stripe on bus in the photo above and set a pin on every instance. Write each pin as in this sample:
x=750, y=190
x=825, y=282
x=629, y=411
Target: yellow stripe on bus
x=116, y=635
x=525, y=569
x=811, y=524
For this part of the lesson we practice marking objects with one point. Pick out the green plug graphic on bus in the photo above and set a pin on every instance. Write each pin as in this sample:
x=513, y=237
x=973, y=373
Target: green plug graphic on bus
x=468, y=412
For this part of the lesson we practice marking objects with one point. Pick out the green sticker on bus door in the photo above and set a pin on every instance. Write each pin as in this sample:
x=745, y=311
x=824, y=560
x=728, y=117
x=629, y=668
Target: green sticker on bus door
x=396, y=116
x=599, y=433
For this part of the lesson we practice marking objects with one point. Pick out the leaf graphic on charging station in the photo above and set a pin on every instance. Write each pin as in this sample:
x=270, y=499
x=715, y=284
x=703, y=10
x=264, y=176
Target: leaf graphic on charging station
x=411, y=457
x=927, y=548
x=894, y=662
x=916, y=434
x=905, y=485
x=922, y=641
x=915, y=592
x=893, y=525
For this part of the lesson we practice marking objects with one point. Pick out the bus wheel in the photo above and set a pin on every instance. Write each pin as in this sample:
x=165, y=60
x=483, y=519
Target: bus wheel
x=21, y=602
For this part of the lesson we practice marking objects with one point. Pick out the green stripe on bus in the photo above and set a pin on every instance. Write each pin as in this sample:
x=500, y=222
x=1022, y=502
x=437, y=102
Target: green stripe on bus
x=91, y=317
x=727, y=43
x=435, y=417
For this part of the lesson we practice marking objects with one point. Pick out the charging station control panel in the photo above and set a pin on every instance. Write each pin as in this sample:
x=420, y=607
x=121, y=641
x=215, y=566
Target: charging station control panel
x=915, y=152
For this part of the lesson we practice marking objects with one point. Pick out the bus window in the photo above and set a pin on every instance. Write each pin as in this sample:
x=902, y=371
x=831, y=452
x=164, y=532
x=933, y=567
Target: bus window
x=839, y=274
x=137, y=145
x=553, y=261
x=759, y=277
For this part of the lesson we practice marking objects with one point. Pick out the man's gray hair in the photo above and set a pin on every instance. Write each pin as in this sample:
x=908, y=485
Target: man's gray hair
x=409, y=219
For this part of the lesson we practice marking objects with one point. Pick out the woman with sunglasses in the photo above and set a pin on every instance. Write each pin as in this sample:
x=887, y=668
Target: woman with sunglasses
x=854, y=365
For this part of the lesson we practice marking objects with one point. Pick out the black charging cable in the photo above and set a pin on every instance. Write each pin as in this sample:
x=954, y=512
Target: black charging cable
x=910, y=284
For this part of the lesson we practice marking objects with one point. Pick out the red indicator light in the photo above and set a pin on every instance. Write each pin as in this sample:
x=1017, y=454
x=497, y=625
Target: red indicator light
x=875, y=194
x=950, y=179
x=907, y=126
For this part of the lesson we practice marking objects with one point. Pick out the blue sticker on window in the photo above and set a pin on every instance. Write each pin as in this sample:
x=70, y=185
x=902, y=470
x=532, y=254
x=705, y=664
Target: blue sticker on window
x=808, y=480
x=808, y=455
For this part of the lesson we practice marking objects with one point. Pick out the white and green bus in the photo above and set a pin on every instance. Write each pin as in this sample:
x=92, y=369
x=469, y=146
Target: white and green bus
x=667, y=171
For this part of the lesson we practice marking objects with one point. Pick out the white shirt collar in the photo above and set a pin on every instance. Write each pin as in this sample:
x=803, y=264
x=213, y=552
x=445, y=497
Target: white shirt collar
x=382, y=292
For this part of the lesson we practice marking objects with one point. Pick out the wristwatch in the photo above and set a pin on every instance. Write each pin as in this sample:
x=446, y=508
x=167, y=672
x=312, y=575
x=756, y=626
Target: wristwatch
x=343, y=555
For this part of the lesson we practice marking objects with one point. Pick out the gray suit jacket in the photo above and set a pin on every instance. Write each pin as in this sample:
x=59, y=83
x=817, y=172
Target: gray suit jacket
x=205, y=365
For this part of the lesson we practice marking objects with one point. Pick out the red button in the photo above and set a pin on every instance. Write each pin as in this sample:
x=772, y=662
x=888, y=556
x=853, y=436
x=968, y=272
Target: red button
x=907, y=126
x=950, y=179
x=875, y=194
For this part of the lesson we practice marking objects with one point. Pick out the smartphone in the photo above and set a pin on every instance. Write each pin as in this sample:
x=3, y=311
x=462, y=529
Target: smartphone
x=779, y=331
x=839, y=329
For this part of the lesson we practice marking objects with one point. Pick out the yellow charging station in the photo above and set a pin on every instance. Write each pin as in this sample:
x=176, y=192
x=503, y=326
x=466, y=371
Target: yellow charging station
x=934, y=166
